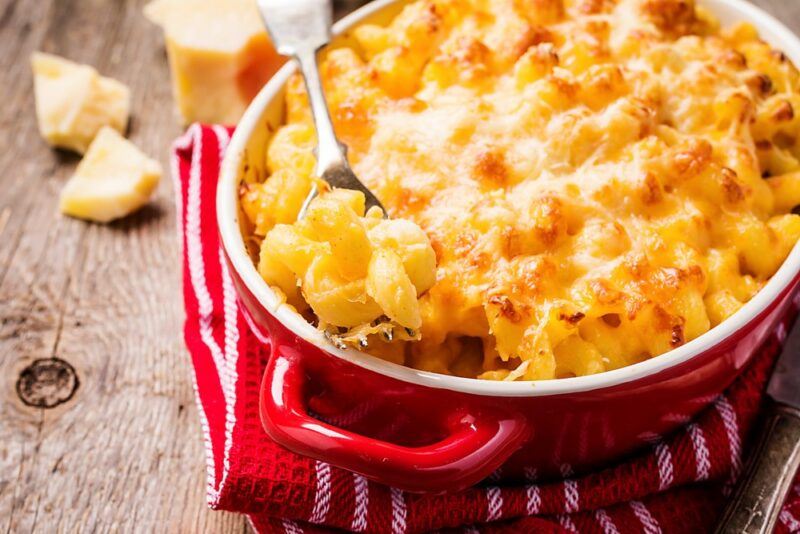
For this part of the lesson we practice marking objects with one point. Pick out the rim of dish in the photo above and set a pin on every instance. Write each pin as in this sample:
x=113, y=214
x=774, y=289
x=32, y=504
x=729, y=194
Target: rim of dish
x=769, y=29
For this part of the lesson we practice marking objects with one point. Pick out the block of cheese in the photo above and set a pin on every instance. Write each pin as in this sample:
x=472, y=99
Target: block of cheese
x=113, y=179
x=219, y=55
x=73, y=102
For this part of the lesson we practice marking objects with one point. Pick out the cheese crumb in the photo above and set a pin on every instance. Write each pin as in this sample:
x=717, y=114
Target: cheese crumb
x=219, y=55
x=73, y=102
x=114, y=179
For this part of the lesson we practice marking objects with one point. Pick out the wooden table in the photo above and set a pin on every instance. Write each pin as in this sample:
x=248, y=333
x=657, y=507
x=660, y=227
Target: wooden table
x=125, y=451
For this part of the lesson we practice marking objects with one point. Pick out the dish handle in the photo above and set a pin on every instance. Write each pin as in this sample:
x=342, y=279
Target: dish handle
x=477, y=442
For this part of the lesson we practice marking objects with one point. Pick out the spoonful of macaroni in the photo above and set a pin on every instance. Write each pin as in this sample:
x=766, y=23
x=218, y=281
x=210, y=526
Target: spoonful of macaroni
x=335, y=253
x=299, y=29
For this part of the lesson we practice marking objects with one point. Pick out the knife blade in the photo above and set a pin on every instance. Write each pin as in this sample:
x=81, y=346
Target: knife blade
x=784, y=385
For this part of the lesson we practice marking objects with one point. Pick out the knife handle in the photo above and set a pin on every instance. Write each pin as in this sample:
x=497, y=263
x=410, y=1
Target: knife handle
x=760, y=492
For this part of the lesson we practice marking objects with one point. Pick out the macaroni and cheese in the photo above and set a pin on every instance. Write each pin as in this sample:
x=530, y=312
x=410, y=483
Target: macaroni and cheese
x=600, y=181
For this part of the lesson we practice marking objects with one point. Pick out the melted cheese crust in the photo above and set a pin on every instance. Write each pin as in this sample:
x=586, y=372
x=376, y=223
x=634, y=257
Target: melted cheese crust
x=602, y=181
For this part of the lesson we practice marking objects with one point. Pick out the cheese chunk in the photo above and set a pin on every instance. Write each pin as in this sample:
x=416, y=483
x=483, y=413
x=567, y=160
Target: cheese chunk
x=219, y=55
x=114, y=179
x=73, y=102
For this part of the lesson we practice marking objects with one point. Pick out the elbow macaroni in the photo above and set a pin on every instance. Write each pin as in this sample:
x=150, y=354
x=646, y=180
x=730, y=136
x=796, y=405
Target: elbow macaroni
x=575, y=185
x=352, y=269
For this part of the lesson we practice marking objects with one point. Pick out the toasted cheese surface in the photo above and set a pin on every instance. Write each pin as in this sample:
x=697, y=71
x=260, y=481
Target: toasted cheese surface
x=73, y=102
x=113, y=180
x=219, y=56
x=602, y=181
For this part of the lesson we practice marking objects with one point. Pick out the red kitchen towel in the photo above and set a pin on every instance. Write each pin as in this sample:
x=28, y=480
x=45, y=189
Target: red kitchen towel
x=676, y=485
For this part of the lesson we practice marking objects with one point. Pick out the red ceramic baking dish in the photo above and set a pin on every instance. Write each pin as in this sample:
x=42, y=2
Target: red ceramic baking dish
x=422, y=431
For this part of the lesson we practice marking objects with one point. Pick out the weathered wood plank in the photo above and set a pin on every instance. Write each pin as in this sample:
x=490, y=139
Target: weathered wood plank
x=124, y=453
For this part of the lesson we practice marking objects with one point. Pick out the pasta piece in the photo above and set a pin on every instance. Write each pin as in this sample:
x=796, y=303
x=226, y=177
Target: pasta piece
x=334, y=299
x=291, y=148
x=278, y=275
x=276, y=201
x=331, y=220
x=577, y=357
x=412, y=246
x=786, y=189
x=390, y=286
x=292, y=248
x=721, y=305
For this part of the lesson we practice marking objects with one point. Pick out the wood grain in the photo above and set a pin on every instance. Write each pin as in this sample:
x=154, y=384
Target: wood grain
x=125, y=452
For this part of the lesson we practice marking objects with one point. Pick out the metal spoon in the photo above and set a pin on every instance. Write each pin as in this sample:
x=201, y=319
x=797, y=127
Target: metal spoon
x=299, y=29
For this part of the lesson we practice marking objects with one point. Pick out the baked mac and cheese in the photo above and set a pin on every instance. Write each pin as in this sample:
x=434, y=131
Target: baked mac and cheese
x=601, y=181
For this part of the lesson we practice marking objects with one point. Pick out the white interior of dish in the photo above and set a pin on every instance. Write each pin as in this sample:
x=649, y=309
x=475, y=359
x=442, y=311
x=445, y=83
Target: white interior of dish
x=248, y=145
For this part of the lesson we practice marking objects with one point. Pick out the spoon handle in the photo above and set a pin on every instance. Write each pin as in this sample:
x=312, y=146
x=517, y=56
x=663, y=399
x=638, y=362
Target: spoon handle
x=754, y=507
x=332, y=165
x=300, y=28
x=330, y=152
